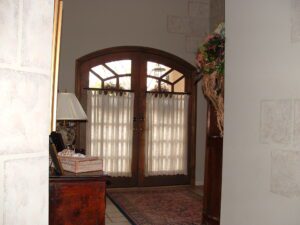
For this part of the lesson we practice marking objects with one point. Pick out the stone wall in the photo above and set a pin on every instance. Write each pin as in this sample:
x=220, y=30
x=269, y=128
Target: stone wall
x=25, y=61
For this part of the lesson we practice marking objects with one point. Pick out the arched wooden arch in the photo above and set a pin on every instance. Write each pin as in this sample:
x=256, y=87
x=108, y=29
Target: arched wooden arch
x=139, y=57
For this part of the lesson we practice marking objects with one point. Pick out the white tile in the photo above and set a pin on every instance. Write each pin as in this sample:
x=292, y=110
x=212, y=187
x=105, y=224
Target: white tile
x=118, y=219
x=276, y=122
x=111, y=209
x=118, y=223
x=107, y=219
x=115, y=214
x=26, y=191
x=25, y=112
x=8, y=30
x=37, y=34
x=285, y=177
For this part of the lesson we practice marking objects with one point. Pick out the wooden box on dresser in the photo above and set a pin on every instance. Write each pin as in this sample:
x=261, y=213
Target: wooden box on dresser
x=77, y=199
x=213, y=171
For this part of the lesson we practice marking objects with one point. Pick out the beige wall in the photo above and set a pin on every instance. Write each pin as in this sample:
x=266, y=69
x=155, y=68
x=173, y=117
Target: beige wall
x=217, y=13
x=261, y=176
x=174, y=26
x=25, y=52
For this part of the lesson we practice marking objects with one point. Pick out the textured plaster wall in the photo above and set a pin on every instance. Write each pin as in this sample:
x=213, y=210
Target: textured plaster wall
x=25, y=57
x=261, y=166
x=217, y=13
x=174, y=26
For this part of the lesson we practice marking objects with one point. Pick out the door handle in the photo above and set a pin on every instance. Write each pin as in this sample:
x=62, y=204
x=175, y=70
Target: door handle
x=138, y=118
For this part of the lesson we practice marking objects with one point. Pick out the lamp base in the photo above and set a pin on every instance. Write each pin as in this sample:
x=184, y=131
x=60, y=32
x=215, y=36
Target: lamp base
x=68, y=131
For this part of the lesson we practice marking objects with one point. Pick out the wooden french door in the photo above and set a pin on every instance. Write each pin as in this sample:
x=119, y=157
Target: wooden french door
x=150, y=71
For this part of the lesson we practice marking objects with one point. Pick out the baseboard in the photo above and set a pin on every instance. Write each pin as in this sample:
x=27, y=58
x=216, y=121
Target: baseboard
x=199, y=183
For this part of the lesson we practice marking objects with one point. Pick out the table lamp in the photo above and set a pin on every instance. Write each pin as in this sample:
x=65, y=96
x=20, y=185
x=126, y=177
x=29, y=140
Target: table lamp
x=68, y=111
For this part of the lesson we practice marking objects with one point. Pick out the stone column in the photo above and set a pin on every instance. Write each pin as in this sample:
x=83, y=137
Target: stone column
x=25, y=61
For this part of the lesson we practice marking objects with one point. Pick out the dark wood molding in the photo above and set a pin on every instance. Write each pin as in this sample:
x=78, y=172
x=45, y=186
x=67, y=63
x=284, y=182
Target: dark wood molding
x=213, y=171
x=136, y=49
x=166, y=180
x=192, y=131
x=168, y=93
x=108, y=89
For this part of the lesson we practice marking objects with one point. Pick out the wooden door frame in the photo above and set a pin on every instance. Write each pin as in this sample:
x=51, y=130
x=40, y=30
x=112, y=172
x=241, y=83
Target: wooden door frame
x=56, y=36
x=177, y=63
x=213, y=169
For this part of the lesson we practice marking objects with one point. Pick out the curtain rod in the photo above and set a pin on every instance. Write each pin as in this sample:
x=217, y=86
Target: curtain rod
x=151, y=92
x=107, y=89
x=168, y=93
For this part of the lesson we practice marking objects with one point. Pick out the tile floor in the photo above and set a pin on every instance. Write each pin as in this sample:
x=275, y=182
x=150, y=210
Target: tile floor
x=113, y=216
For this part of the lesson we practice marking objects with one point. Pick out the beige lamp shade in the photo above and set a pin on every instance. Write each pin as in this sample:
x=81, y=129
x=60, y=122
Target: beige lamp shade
x=69, y=108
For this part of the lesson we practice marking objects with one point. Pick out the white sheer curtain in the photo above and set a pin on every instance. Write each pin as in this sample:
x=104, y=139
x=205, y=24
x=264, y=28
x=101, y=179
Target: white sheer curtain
x=166, y=137
x=109, y=130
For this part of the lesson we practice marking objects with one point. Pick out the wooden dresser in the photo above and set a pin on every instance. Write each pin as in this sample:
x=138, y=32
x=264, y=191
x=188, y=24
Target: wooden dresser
x=77, y=199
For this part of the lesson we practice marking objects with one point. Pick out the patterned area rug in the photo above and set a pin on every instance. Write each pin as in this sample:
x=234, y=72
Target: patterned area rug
x=159, y=206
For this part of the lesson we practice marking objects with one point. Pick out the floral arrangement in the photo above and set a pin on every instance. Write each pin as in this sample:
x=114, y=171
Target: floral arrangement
x=210, y=62
x=211, y=54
